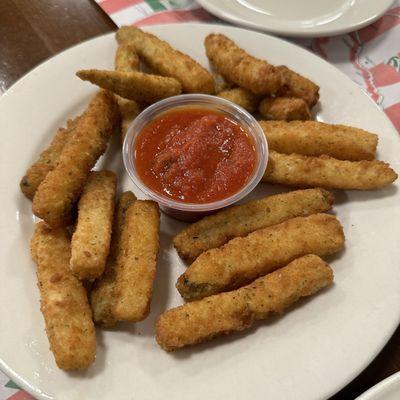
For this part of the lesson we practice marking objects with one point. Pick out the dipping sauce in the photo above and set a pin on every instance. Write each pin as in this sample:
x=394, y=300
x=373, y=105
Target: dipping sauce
x=194, y=155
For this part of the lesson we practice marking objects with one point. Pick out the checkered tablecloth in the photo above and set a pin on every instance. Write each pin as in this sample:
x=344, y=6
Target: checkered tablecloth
x=370, y=57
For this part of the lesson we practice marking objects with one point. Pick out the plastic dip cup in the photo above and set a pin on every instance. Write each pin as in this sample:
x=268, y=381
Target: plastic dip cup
x=193, y=211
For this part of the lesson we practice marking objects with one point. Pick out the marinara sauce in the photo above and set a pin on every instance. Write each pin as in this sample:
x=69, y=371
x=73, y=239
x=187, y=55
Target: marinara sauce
x=194, y=155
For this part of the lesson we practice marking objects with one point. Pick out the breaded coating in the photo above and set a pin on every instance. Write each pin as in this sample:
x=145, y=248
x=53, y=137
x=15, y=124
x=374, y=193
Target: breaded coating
x=312, y=138
x=302, y=171
x=90, y=242
x=63, y=300
x=133, y=85
x=284, y=109
x=221, y=84
x=136, y=263
x=217, y=229
x=102, y=294
x=47, y=160
x=239, y=67
x=244, y=259
x=167, y=61
x=298, y=86
x=241, y=97
x=126, y=59
x=129, y=110
x=224, y=313
x=62, y=187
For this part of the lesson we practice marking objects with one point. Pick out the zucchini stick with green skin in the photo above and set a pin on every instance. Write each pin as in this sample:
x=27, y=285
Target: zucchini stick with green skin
x=90, y=242
x=217, y=229
x=102, y=294
x=244, y=259
x=224, y=313
x=63, y=300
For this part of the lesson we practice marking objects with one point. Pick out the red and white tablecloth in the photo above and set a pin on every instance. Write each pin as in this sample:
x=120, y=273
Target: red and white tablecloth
x=370, y=57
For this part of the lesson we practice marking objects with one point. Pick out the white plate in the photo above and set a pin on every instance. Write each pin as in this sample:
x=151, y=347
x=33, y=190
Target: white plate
x=309, y=353
x=388, y=389
x=308, y=18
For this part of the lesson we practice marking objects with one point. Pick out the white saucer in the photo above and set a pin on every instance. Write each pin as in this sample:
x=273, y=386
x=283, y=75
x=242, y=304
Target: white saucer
x=306, y=18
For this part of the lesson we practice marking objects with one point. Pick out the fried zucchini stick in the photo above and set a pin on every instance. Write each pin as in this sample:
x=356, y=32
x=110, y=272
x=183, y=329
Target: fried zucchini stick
x=239, y=67
x=244, y=259
x=224, y=313
x=90, y=242
x=61, y=188
x=221, y=84
x=167, y=61
x=136, y=264
x=129, y=110
x=312, y=138
x=215, y=230
x=302, y=171
x=241, y=97
x=284, y=109
x=63, y=300
x=102, y=294
x=298, y=86
x=133, y=85
x=126, y=60
x=47, y=160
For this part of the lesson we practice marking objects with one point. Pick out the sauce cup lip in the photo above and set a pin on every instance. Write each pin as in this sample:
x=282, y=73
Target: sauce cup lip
x=215, y=103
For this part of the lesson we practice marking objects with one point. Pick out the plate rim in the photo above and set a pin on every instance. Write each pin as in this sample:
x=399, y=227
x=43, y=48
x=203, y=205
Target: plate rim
x=380, y=386
x=41, y=394
x=235, y=19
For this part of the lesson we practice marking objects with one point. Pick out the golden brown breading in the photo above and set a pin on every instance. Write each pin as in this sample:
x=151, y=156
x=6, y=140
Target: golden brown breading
x=133, y=85
x=284, y=109
x=302, y=171
x=239, y=67
x=312, y=138
x=136, y=263
x=47, y=160
x=90, y=242
x=61, y=188
x=246, y=258
x=241, y=97
x=63, y=300
x=126, y=59
x=129, y=110
x=167, y=61
x=217, y=229
x=298, y=86
x=102, y=294
x=221, y=84
x=224, y=313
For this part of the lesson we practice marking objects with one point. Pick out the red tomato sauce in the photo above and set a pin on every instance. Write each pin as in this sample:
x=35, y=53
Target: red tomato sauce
x=194, y=155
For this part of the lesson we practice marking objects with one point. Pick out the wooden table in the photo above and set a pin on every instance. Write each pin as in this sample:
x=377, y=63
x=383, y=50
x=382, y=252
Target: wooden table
x=32, y=31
